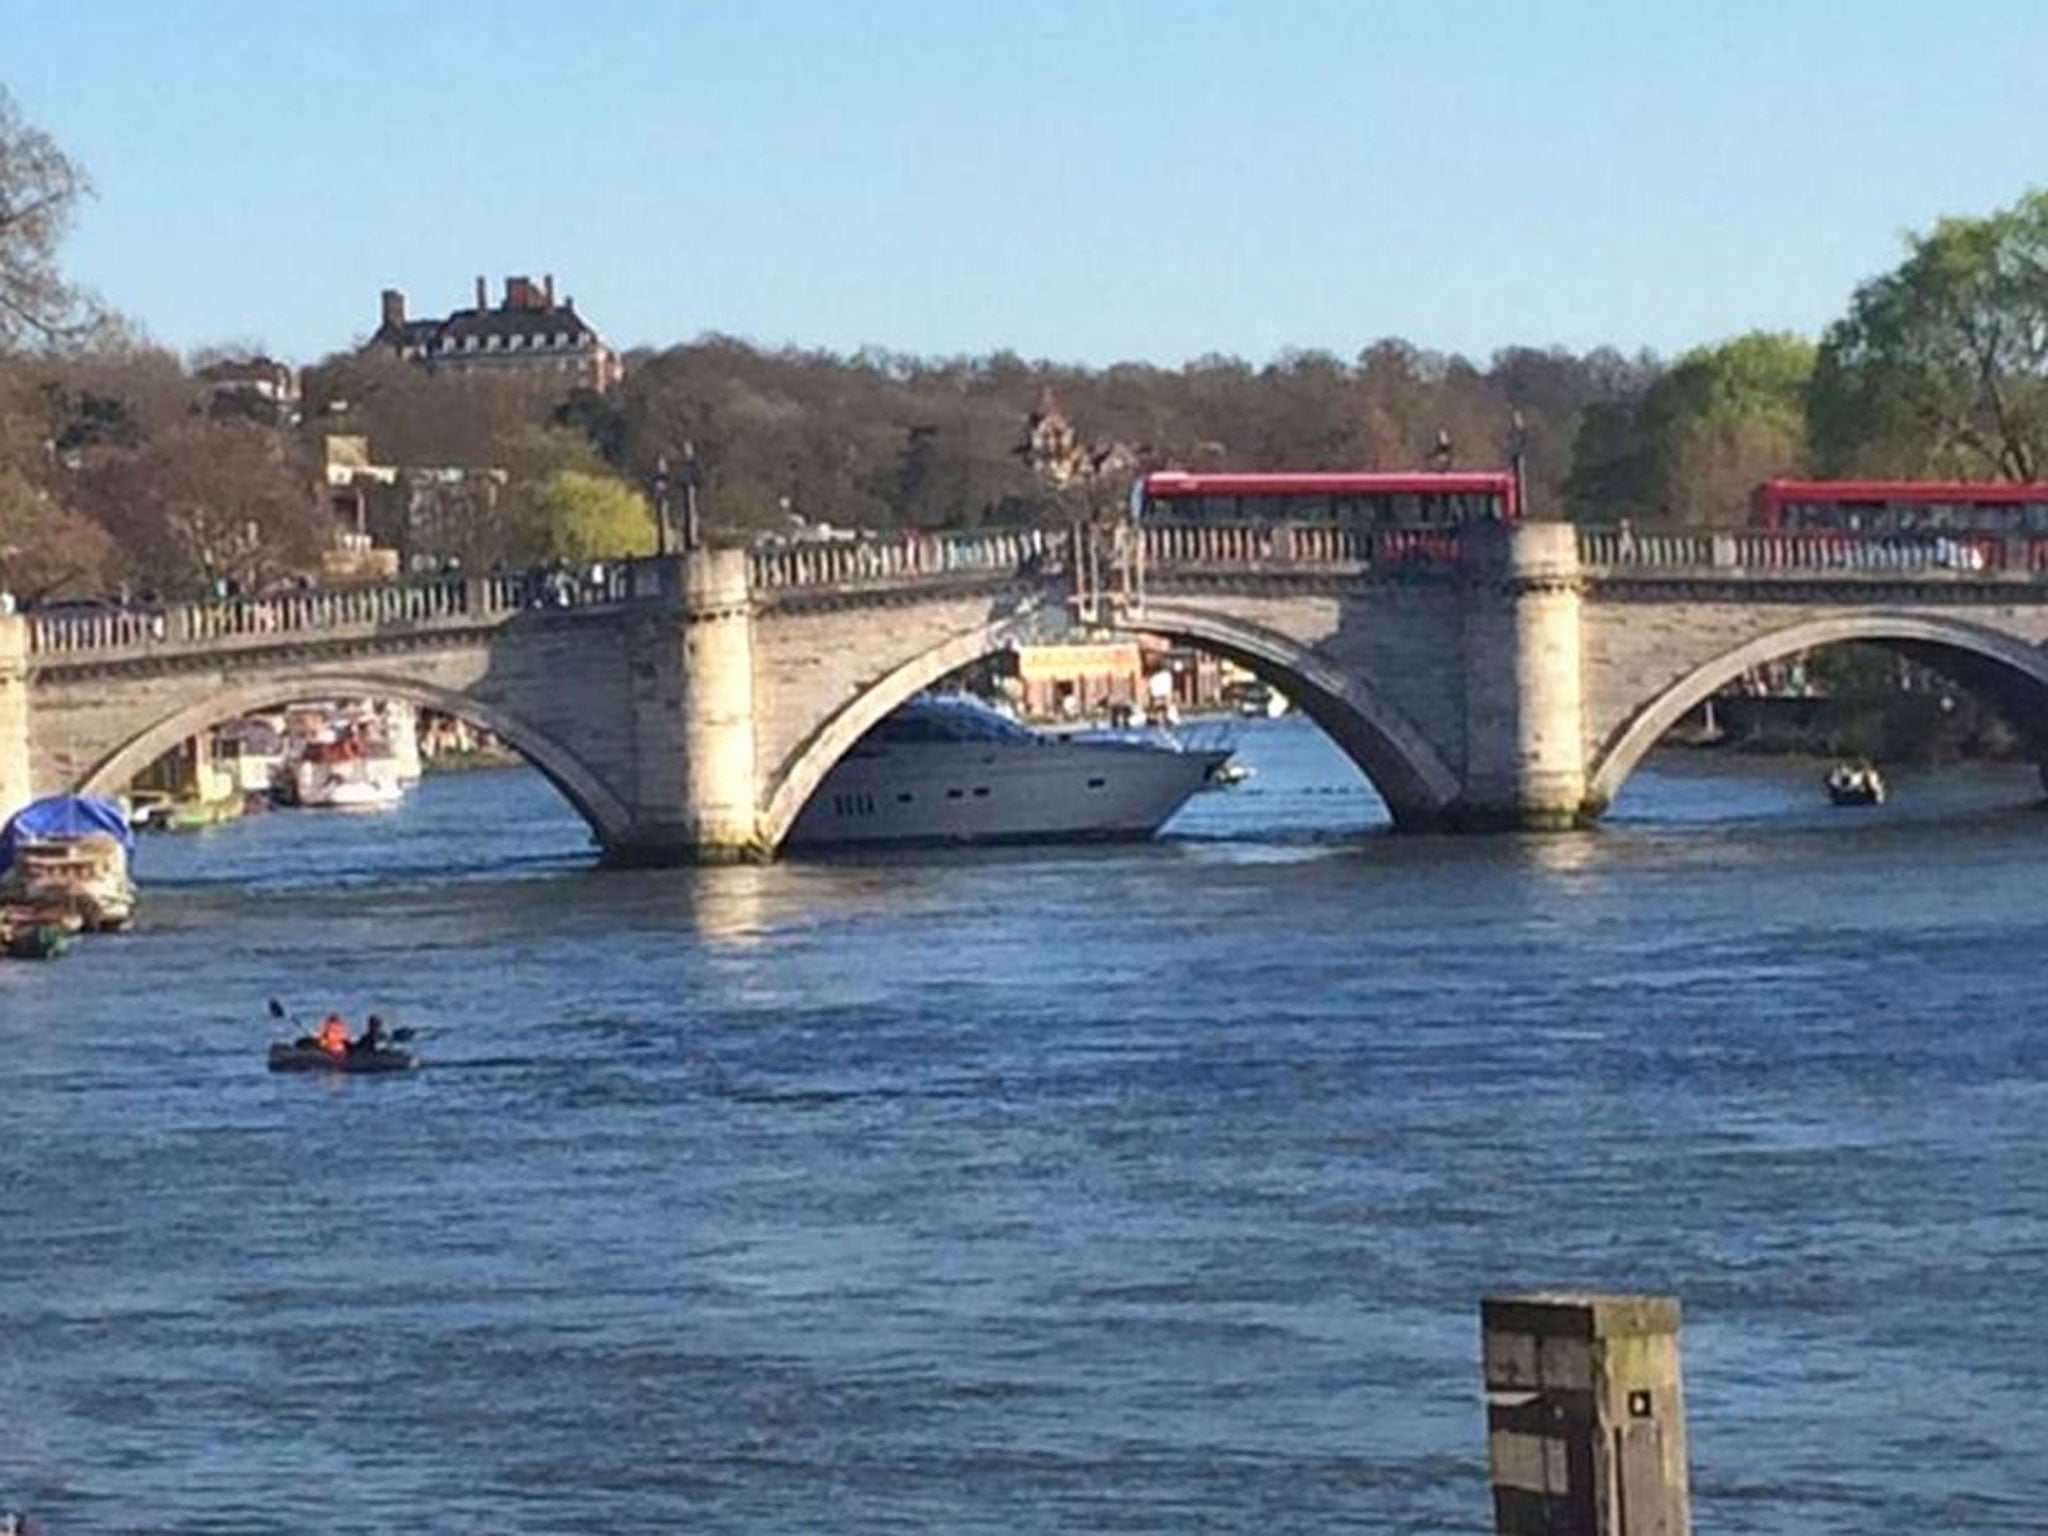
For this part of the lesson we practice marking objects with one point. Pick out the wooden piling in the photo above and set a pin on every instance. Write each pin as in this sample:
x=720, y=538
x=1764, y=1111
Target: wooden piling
x=1585, y=1415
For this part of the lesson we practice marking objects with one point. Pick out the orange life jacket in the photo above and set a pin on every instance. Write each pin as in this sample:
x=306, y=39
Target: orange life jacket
x=334, y=1036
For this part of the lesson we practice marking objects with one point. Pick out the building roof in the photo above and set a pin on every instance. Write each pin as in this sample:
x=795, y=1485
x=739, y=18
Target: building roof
x=411, y=333
x=528, y=312
x=518, y=322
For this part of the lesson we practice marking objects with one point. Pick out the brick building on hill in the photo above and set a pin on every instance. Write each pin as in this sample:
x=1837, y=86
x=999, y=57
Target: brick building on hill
x=527, y=333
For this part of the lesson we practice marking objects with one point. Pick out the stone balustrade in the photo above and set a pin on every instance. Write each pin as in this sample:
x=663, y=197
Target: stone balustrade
x=1208, y=544
x=326, y=611
x=906, y=558
x=1304, y=545
x=1751, y=552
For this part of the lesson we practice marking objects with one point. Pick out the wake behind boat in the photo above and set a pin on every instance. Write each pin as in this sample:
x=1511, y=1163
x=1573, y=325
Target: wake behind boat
x=948, y=768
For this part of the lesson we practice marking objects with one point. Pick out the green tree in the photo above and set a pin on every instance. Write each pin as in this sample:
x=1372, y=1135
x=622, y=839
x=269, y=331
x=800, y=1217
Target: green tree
x=39, y=191
x=1700, y=438
x=1941, y=366
x=578, y=516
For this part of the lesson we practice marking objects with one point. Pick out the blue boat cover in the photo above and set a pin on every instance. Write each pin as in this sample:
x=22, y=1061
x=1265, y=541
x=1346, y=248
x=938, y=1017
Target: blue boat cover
x=58, y=816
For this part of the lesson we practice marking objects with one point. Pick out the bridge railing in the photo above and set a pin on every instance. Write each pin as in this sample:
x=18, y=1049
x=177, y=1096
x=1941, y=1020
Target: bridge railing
x=906, y=557
x=318, y=610
x=1168, y=545
x=1164, y=546
x=1267, y=545
x=1761, y=550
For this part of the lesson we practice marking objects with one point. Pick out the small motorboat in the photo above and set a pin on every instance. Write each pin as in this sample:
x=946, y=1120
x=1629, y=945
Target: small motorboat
x=1855, y=784
x=303, y=1056
x=35, y=940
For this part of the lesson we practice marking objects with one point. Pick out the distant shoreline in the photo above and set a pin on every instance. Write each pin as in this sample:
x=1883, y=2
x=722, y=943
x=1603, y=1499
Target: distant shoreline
x=472, y=762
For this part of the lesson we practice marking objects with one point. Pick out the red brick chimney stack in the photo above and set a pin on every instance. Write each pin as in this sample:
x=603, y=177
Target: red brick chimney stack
x=483, y=297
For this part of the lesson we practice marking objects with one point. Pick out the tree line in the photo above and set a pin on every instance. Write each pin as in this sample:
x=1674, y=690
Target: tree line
x=118, y=466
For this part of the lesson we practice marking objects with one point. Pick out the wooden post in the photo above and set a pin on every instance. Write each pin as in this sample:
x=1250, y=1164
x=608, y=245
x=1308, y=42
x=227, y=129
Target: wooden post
x=16, y=788
x=1585, y=1415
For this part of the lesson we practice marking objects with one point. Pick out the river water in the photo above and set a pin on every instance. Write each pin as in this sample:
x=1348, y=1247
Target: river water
x=1147, y=1189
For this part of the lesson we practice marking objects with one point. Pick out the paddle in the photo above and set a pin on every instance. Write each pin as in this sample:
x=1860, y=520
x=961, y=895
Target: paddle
x=279, y=1012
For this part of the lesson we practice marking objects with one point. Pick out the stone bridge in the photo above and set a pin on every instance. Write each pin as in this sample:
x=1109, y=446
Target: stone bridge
x=1508, y=678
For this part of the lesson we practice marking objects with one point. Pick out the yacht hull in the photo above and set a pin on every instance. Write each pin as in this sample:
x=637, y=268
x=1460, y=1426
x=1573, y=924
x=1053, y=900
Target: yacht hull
x=1046, y=790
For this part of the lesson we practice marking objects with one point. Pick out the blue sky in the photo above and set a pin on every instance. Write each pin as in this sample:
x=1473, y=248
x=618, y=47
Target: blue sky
x=1080, y=181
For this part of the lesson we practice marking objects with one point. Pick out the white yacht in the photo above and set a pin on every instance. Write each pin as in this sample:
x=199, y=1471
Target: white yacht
x=343, y=758
x=947, y=768
x=345, y=776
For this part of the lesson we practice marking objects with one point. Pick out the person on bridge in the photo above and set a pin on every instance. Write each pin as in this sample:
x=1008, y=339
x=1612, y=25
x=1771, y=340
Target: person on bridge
x=333, y=1036
x=372, y=1039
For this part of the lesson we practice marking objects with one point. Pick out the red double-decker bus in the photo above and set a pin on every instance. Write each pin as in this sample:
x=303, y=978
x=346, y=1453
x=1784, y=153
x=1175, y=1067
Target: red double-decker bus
x=1354, y=500
x=1890, y=507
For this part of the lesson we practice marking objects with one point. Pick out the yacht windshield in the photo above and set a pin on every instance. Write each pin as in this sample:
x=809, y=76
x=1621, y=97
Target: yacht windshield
x=947, y=717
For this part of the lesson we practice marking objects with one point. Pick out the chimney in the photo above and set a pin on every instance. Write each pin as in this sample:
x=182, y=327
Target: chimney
x=521, y=294
x=394, y=308
x=483, y=297
x=548, y=289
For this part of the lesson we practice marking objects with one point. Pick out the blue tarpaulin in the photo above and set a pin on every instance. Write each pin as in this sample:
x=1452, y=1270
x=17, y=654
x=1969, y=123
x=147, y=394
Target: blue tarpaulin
x=63, y=816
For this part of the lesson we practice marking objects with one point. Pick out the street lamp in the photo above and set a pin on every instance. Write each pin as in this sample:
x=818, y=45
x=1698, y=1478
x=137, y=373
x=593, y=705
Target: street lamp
x=1518, y=453
x=661, y=505
x=693, y=476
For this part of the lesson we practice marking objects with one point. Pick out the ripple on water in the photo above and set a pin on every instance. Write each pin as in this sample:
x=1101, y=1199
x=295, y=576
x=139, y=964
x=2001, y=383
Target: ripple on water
x=1145, y=1189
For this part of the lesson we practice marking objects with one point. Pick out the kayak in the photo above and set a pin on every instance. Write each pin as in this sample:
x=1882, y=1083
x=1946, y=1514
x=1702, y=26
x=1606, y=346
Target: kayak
x=310, y=1058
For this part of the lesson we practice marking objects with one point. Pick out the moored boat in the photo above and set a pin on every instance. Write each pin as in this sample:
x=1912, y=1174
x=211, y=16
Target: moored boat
x=35, y=939
x=345, y=775
x=64, y=860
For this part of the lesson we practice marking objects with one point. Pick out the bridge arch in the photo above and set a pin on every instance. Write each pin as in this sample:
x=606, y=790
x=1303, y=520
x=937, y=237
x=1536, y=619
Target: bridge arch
x=596, y=802
x=1406, y=770
x=1409, y=773
x=1991, y=655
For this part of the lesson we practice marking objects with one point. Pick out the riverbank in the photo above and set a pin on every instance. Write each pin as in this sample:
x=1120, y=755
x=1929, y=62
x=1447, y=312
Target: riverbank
x=471, y=762
x=1918, y=728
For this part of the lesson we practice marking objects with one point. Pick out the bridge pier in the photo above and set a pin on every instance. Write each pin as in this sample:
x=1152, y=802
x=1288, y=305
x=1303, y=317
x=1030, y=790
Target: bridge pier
x=694, y=787
x=1525, y=754
x=16, y=775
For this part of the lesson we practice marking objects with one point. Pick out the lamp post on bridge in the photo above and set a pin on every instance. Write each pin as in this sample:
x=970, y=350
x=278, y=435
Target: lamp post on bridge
x=661, y=530
x=1518, y=453
x=693, y=476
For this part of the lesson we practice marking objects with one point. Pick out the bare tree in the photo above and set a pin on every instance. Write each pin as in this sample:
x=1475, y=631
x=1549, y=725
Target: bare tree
x=204, y=501
x=39, y=189
x=46, y=549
